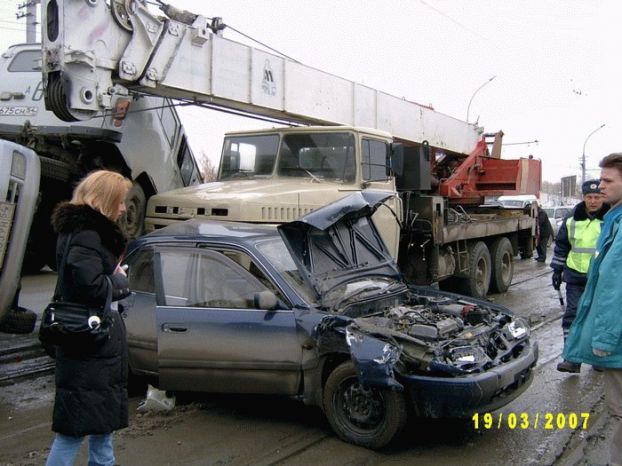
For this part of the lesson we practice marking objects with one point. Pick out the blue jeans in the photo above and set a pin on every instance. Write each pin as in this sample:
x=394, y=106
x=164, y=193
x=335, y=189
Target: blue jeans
x=65, y=449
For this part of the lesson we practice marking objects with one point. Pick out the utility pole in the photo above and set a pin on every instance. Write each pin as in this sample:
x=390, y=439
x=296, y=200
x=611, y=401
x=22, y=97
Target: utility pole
x=583, y=155
x=31, y=18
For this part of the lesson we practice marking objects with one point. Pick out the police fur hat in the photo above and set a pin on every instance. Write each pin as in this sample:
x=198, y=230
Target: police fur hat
x=590, y=186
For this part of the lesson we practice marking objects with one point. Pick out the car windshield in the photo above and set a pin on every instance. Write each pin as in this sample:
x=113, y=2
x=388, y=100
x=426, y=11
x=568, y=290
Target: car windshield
x=549, y=212
x=278, y=255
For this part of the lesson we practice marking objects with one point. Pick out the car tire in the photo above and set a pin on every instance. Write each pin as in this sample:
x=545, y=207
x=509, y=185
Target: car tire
x=136, y=384
x=348, y=406
x=502, y=257
x=20, y=320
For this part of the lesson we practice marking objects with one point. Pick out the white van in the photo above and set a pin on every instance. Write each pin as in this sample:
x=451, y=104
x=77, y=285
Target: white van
x=518, y=201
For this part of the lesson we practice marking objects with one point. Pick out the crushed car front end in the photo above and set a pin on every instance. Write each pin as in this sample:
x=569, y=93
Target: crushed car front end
x=451, y=355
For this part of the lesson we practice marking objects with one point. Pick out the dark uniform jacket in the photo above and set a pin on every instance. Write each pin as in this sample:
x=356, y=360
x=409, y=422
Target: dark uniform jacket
x=562, y=244
x=91, y=385
x=545, y=229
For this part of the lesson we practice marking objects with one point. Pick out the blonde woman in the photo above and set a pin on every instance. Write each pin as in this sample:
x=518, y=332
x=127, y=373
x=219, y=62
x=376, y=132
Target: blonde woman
x=91, y=386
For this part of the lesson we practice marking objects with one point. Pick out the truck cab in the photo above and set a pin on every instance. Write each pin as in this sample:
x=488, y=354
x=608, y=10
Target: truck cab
x=279, y=174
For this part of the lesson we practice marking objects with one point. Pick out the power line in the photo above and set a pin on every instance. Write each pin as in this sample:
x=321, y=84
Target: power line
x=445, y=15
x=12, y=22
x=4, y=28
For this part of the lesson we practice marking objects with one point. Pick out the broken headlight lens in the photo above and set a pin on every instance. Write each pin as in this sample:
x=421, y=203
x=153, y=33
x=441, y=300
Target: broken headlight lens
x=467, y=357
x=517, y=329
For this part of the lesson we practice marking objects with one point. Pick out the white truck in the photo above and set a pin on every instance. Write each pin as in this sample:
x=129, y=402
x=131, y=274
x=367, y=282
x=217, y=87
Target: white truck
x=438, y=168
x=159, y=161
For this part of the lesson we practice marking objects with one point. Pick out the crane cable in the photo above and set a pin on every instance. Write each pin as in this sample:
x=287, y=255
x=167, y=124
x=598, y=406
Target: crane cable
x=160, y=4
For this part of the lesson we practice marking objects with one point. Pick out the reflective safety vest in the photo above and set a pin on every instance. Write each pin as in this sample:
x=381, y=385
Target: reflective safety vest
x=582, y=236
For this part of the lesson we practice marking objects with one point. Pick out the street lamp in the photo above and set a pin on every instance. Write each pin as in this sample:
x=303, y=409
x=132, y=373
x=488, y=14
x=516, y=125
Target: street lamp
x=583, y=155
x=476, y=91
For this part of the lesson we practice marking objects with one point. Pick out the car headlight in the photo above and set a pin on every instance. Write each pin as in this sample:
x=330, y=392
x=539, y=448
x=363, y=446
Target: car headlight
x=460, y=360
x=518, y=329
x=467, y=355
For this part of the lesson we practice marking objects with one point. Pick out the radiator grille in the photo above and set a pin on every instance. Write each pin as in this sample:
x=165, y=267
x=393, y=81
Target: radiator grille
x=283, y=214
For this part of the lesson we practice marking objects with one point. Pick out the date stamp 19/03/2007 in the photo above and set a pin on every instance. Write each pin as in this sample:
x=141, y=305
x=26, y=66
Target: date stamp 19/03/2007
x=535, y=421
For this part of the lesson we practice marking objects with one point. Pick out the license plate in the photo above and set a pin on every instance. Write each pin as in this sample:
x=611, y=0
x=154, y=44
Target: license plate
x=18, y=111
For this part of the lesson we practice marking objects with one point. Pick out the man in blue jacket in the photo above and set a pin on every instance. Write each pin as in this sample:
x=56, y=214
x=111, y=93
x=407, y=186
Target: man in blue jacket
x=575, y=245
x=595, y=336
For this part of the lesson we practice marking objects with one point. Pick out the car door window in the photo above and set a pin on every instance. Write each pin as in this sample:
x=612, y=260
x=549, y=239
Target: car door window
x=140, y=271
x=205, y=278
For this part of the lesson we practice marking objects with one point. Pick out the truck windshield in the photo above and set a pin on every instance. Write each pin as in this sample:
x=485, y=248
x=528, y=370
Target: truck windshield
x=247, y=156
x=322, y=156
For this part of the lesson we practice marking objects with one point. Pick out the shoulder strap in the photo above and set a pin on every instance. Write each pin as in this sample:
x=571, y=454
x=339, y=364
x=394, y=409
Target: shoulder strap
x=61, y=268
x=61, y=273
x=108, y=295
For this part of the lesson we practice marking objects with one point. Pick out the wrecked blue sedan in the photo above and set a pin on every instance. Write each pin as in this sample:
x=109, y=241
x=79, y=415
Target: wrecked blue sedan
x=316, y=309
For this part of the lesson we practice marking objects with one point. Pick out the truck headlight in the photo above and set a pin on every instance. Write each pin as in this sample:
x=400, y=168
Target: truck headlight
x=18, y=166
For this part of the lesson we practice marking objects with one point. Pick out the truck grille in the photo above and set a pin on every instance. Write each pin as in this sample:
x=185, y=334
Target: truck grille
x=283, y=214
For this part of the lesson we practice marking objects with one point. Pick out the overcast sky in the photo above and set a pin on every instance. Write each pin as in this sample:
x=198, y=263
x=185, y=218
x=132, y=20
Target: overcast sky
x=555, y=63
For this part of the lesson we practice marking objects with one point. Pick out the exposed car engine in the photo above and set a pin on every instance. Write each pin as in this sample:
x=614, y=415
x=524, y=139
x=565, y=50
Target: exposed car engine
x=445, y=335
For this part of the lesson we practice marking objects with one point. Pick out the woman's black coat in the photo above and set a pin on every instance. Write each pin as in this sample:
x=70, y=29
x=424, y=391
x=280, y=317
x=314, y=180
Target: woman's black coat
x=91, y=385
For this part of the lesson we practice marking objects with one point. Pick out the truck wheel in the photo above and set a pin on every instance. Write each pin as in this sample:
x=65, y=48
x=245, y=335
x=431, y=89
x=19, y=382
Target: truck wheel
x=502, y=257
x=478, y=281
x=135, y=203
x=527, y=248
x=20, y=320
x=366, y=416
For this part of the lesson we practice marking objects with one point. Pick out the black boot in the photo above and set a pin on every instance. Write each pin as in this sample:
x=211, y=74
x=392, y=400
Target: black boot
x=567, y=366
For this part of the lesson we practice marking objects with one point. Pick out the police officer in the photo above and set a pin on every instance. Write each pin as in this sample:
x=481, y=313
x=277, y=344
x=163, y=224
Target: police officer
x=575, y=245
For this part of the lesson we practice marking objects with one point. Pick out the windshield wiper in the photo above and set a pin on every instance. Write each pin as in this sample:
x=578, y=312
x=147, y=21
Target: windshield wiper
x=315, y=178
x=385, y=289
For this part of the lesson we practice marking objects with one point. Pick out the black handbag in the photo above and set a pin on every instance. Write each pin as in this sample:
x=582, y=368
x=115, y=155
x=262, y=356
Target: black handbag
x=74, y=325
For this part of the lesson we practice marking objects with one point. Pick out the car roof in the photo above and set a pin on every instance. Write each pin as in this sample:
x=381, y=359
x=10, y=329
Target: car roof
x=208, y=230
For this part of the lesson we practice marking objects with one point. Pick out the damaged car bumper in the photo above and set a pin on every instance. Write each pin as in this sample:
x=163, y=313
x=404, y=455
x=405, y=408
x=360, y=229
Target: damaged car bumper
x=466, y=395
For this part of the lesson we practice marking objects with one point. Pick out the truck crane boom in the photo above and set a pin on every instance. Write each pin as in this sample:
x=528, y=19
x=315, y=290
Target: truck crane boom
x=184, y=56
x=437, y=168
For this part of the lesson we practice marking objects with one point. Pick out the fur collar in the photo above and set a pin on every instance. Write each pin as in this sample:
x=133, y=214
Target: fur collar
x=580, y=213
x=68, y=218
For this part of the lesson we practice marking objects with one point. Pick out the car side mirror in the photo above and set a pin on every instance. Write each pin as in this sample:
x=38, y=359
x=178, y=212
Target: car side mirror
x=266, y=300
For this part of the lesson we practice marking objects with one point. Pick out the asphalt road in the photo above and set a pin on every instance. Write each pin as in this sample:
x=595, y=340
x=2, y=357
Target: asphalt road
x=239, y=430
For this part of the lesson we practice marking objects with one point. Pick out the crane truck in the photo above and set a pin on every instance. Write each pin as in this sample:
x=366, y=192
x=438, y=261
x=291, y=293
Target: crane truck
x=341, y=137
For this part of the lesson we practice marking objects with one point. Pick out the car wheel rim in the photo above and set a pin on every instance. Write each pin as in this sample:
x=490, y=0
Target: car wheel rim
x=360, y=406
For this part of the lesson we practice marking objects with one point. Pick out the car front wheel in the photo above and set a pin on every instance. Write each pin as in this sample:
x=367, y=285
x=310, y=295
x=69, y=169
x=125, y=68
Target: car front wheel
x=367, y=416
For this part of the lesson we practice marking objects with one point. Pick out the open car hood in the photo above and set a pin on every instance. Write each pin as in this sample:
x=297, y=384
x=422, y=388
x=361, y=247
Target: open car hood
x=339, y=242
